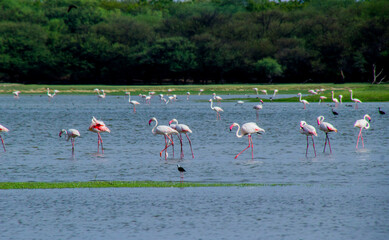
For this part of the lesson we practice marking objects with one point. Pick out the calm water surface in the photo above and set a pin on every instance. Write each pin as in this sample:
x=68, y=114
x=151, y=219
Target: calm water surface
x=339, y=196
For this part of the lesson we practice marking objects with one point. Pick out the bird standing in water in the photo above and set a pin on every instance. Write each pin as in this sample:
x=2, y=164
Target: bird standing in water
x=181, y=170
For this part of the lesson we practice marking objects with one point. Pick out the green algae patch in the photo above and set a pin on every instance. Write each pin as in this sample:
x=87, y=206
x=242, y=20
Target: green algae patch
x=124, y=184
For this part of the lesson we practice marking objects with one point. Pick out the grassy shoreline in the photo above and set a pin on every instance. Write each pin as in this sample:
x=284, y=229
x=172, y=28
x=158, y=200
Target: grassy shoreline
x=124, y=184
x=363, y=91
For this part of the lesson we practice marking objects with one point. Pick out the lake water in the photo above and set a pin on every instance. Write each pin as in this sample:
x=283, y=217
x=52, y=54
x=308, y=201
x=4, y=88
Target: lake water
x=341, y=195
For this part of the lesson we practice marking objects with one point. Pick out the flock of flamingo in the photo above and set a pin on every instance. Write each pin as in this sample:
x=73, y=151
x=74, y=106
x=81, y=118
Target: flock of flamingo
x=175, y=128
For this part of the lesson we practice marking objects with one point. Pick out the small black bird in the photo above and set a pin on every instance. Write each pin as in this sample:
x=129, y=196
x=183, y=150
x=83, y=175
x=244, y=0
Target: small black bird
x=71, y=6
x=334, y=112
x=181, y=170
x=380, y=111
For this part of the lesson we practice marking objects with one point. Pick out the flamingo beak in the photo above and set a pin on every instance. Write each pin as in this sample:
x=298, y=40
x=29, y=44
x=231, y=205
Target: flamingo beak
x=150, y=121
x=231, y=127
x=170, y=122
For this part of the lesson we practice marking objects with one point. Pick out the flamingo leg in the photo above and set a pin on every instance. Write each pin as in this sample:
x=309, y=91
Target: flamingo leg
x=363, y=145
x=313, y=145
x=167, y=145
x=160, y=153
x=360, y=133
x=190, y=144
x=325, y=144
x=72, y=140
x=182, y=152
x=173, y=145
x=134, y=109
x=244, y=149
x=329, y=143
x=98, y=142
x=306, y=151
x=252, y=147
x=101, y=143
x=2, y=141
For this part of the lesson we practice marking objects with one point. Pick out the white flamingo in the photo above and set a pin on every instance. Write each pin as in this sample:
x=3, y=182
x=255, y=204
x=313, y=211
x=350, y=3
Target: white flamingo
x=166, y=131
x=340, y=99
x=362, y=124
x=71, y=134
x=200, y=91
x=258, y=107
x=16, y=94
x=334, y=99
x=256, y=90
x=274, y=95
x=264, y=91
x=303, y=100
x=218, y=110
x=217, y=98
x=3, y=129
x=247, y=129
x=308, y=130
x=356, y=100
x=51, y=96
x=312, y=92
x=187, y=96
x=182, y=128
x=322, y=98
x=327, y=128
x=132, y=102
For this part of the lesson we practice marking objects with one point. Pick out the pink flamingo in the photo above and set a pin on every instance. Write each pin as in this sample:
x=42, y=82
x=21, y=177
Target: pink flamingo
x=200, y=91
x=322, y=98
x=217, y=98
x=165, y=131
x=327, y=128
x=133, y=102
x=308, y=130
x=362, y=124
x=218, y=110
x=312, y=92
x=98, y=126
x=3, y=129
x=51, y=96
x=303, y=100
x=334, y=99
x=264, y=91
x=340, y=99
x=356, y=100
x=247, y=129
x=187, y=96
x=182, y=128
x=256, y=90
x=16, y=94
x=258, y=107
x=70, y=134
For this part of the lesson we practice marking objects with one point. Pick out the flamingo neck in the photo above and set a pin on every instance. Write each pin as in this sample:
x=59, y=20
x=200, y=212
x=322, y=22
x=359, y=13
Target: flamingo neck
x=332, y=96
x=301, y=97
x=237, y=132
x=129, y=97
x=212, y=105
x=153, y=130
x=351, y=96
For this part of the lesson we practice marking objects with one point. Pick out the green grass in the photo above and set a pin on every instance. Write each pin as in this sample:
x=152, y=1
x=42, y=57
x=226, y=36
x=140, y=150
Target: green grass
x=125, y=184
x=363, y=91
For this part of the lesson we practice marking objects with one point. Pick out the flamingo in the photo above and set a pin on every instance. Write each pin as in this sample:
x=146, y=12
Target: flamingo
x=322, y=98
x=3, y=129
x=102, y=95
x=312, y=92
x=70, y=134
x=217, y=98
x=182, y=128
x=98, y=126
x=133, y=102
x=247, y=129
x=16, y=94
x=327, y=128
x=200, y=91
x=51, y=96
x=303, y=100
x=334, y=99
x=340, y=99
x=274, y=94
x=356, y=100
x=362, y=124
x=258, y=107
x=161, y=97
x=187, y=96
x=218, y=110
x=308, y=130
x=256, y=90
x=165, y=131
x=239, y=102
x=181, y=170
x=264, y=91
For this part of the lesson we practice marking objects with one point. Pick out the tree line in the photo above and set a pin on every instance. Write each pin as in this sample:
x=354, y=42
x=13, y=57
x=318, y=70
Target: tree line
x=199, y=41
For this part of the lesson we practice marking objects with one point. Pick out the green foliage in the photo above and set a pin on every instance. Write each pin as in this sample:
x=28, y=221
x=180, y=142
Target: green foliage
x=112, y=41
